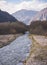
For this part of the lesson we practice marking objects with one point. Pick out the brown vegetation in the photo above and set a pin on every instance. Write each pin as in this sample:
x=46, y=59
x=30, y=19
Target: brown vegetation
x=38, y=51
x=12, y=27
x=38, y=27
x=7, y=39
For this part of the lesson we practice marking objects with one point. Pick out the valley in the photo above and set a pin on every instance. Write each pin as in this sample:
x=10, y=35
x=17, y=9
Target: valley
x=23, y=38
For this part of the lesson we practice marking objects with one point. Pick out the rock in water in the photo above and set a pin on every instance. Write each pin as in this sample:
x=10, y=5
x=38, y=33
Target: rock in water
x=38, y=54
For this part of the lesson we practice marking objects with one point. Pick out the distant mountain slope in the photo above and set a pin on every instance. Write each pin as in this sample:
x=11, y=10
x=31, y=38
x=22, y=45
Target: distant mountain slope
x=5, y=17
x=42, y=15
x=24, y=15
x=10, y=25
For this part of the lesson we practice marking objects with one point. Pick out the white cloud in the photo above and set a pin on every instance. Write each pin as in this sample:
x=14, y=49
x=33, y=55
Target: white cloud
x=12, y=7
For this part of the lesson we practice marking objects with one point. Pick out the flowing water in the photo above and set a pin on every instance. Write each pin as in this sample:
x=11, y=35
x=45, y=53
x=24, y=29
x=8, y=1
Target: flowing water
x=16, y=52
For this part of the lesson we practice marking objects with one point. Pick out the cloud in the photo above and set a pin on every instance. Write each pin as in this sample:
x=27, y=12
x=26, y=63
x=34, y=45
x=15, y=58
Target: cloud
x=42, y=0
x=30, y=5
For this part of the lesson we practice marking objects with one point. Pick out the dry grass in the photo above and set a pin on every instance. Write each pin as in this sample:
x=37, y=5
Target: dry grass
x=38, y=52
x=6, y=39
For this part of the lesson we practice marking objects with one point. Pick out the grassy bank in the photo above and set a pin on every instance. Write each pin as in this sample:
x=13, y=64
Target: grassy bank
x=7, y=39
x=38, y=51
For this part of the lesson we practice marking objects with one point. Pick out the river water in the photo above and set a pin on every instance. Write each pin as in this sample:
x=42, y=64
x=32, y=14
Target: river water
x=16, y=52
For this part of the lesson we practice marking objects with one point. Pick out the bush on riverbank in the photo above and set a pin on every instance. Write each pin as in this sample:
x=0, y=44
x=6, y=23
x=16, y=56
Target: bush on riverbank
x=38, y=27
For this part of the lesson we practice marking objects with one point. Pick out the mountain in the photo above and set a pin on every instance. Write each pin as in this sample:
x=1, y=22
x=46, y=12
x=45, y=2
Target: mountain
x=10, y=25
x=24, y=15
x=42, y=15
x=38, y=24
x=5, y=17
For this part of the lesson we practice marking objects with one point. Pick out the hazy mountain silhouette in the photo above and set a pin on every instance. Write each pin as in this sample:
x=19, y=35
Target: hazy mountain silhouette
x=24, y=15
x=42, y=15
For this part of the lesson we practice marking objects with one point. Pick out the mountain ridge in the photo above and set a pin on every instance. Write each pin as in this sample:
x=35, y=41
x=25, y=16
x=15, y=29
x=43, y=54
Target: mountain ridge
x=5, y=17
x=10, y=25
x=24, y=15
x=41, y=15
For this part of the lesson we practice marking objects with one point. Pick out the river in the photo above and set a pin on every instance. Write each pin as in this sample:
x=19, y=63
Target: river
x=16, y=52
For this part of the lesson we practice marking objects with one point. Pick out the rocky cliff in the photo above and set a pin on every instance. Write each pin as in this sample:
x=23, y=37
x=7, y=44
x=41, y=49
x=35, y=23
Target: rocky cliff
x=38, y=52
x=41, y=15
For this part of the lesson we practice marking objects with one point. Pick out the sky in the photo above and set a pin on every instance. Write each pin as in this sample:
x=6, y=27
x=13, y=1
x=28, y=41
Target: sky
x=12, y=6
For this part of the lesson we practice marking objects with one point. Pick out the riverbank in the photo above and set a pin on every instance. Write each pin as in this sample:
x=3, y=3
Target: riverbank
x=7, y=39
x=38, y=51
